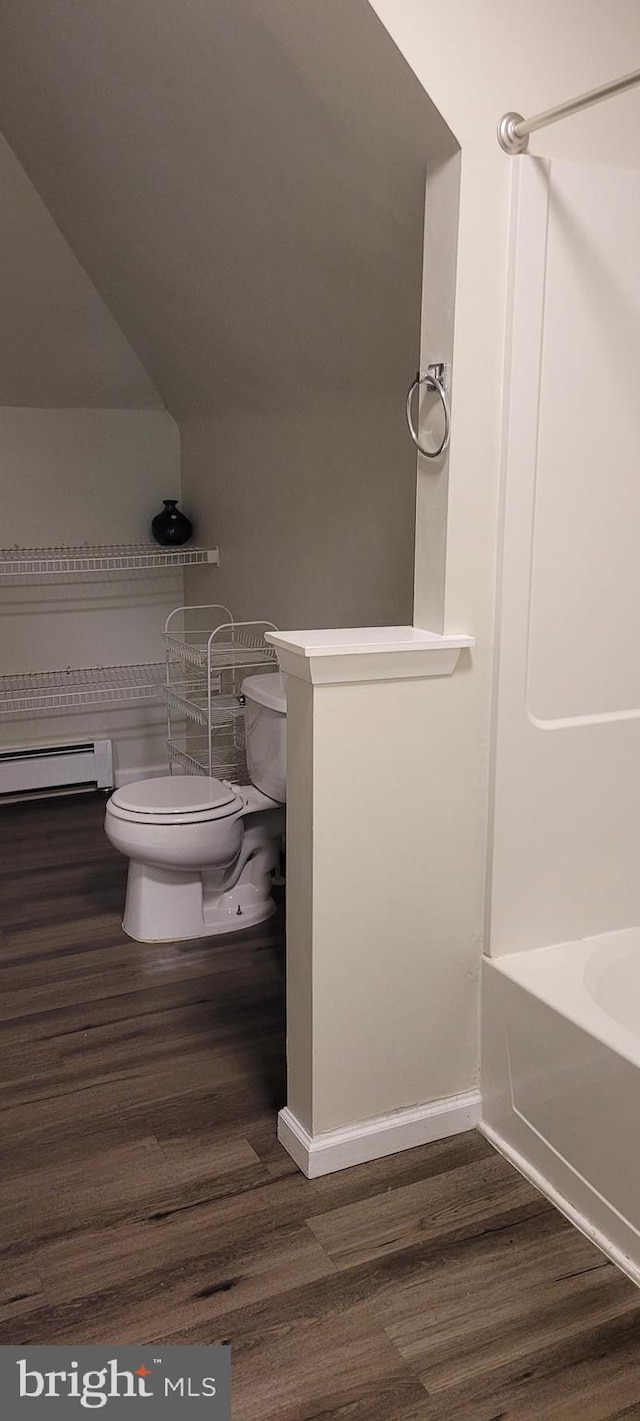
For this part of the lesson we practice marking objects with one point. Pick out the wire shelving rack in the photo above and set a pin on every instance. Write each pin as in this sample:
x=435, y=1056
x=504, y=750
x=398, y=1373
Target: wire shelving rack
x=208, y=655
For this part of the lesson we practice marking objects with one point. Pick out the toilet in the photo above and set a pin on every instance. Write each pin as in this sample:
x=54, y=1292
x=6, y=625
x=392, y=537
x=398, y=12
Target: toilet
x=202, y=851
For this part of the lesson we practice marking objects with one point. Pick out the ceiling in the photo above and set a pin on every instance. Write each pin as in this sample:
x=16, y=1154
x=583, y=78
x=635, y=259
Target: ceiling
x=242, y=180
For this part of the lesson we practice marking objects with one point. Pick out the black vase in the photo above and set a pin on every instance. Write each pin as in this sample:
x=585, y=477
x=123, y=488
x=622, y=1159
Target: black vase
x=171, y=527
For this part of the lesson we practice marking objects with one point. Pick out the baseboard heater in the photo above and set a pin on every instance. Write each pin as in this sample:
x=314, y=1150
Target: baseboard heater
x=45, y=769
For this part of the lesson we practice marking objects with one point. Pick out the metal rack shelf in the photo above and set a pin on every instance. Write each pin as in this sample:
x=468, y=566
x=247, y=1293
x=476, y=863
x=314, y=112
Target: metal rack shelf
x=35, y=691
x=205, y=668
x=192, y=757
x=192, y=704
x=193, y=650
x=109, y=557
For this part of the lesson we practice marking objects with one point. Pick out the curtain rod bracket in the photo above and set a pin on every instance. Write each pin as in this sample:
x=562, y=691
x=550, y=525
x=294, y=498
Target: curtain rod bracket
x=508, y=138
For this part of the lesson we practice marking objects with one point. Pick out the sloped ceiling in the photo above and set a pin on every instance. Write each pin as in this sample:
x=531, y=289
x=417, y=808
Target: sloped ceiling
x=60, y=345
x=234, y=175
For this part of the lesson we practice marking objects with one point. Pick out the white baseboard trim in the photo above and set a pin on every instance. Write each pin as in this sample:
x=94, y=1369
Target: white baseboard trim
x=581, y=1222
x=141, y=772
x=372, y=1139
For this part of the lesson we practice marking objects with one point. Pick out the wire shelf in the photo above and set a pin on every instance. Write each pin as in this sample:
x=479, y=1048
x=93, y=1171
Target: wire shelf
x=205, y=669
x=188, y=764
x=108, y=557
x=244, y=651
x=227, y=759
x=35, y=691
x=193, y=706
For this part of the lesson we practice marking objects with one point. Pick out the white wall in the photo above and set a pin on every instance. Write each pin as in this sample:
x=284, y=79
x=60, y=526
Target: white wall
x=391, y=980
x=77, y=476
x=476, y=61
x=566, y=825
x=436, y=345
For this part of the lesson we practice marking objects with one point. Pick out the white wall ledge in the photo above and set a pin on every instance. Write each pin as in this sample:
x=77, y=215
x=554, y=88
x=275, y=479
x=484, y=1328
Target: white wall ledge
x=347, y=654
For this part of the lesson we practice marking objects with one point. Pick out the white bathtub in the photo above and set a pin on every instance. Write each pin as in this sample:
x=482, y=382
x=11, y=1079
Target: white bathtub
x=561, y=1080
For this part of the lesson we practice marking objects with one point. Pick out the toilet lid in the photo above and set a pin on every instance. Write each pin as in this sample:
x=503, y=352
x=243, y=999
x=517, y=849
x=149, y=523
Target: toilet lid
x=174, y=796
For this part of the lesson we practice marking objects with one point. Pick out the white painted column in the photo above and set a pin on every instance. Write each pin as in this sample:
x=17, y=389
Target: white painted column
x=369, y=1058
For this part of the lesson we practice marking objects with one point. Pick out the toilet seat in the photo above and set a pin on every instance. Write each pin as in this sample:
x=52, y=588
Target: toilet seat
x=176, y=799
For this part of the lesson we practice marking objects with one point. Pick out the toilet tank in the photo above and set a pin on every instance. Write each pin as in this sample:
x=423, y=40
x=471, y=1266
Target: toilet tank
x=265, y=724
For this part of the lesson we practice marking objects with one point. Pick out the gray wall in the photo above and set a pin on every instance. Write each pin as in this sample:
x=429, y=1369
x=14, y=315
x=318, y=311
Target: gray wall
x=60, y=346
x=314, y=510
x=244, y=183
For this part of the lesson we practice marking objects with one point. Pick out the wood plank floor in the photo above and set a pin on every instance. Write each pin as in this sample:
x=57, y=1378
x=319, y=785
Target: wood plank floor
x=144, y=1197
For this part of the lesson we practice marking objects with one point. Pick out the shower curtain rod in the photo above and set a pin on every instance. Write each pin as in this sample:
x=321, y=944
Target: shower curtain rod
x=514, y=130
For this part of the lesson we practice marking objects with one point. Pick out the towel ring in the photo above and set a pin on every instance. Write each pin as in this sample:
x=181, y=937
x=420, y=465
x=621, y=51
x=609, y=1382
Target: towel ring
x=435, y=381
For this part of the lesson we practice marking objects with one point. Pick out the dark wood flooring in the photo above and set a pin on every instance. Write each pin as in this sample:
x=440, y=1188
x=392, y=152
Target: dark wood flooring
x=144, y=1197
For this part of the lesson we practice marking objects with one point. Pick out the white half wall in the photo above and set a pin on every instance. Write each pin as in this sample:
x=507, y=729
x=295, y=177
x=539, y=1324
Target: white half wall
x=74, y=476
x=567, y=787
x=381, y=963
x=394, y=985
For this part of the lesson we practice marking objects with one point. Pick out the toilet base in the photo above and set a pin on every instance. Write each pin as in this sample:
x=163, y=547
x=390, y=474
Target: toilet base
x=163, y=905
x=148, y=923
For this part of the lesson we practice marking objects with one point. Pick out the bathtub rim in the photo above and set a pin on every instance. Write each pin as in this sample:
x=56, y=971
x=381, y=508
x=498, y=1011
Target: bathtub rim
x=556, y=976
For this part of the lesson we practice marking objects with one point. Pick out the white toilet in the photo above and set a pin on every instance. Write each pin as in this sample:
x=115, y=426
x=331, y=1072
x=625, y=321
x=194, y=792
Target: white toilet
x=202, y=851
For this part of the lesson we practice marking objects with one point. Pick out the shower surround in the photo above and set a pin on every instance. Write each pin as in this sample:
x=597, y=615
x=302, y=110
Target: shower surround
x=561, y=987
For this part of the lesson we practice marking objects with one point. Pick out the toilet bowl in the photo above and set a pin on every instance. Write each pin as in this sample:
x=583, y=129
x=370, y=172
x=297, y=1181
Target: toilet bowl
x=202, y=851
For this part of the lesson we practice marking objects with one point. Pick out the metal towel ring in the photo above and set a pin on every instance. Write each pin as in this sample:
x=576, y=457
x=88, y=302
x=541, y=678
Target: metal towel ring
x=434, y=380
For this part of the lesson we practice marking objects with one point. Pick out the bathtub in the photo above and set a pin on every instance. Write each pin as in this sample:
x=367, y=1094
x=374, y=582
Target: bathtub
x=561, y=1080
